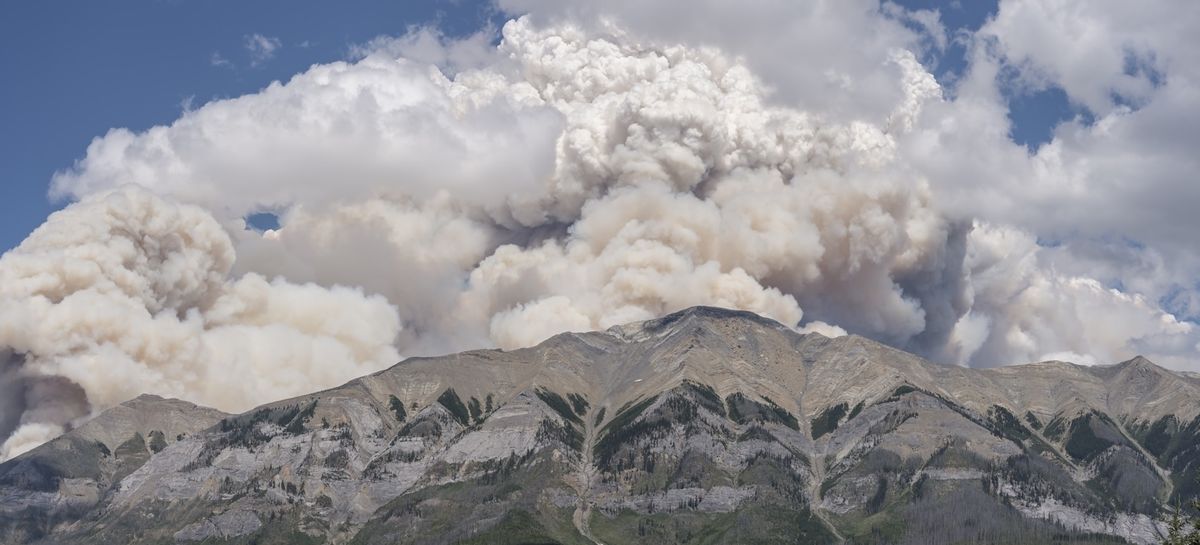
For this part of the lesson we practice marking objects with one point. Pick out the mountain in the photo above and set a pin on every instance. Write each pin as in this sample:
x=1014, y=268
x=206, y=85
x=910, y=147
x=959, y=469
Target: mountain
x=704, y=426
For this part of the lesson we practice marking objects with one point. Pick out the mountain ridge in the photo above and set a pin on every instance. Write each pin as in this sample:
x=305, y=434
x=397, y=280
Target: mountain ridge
x=705, y=422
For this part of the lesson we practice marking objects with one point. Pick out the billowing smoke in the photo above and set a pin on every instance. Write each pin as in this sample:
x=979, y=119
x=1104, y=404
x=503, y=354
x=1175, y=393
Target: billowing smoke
x=124, y=293
x=568, y=179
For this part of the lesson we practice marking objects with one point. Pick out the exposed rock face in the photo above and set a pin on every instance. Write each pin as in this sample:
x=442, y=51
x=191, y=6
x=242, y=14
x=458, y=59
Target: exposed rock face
x=705, y=426
x=229, y=524
x=72, y=476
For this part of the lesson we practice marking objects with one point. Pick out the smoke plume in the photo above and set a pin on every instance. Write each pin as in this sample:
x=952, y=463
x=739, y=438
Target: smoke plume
x=124, y=293
x=570, y=178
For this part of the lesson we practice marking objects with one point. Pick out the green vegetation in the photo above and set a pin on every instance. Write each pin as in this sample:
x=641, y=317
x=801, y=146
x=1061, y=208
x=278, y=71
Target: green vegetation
x=476, y=410
x=1056, y=428
x=1082, y=442
x=421, y=427
x=705, y=396
x=960, y=512
x=158, y=441
x=854, y=412
x=1127, y=482
x=566, y=434
x=755, y=524
x=622, y=428
x=131, y=446
x=500, y=507
x=1176, y=447
x=828, y=420
x=130, y=455
x=781, y=415
x=579, y=403
x=599, y=416
x=1005, y=424
x=900, y=391
x=1178, y=532
x=281, y=530
x=756, y=432
x=295, y=425
x=559, y=405
x=518, y=527
x=744, y=410
x=1033, y=421
x=243, y=430
x=337, y=459
x=450, y=400
x=397, y=408
x=1158, y=437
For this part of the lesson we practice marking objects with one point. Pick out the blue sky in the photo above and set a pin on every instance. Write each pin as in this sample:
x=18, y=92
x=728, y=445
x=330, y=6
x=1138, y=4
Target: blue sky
x=76, y=69
x=590, y=174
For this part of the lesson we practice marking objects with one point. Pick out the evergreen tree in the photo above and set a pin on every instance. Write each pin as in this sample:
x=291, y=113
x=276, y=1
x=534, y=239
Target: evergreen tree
x=1180, y=532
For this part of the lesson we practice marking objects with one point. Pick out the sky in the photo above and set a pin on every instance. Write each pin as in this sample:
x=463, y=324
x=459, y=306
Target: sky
x=206, y=50
x=260, y=200
x=78, y=68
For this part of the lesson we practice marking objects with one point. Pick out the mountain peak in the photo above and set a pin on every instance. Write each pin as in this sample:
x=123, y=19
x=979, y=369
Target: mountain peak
x=705, y=317
x=1139, y=361
x=706, y=411
x=147, y=399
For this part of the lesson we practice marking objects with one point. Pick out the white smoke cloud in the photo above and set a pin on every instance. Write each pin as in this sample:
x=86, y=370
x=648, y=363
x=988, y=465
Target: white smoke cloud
x=830, y=56
x=573, y=177
x=125, y=292
x=27, y=437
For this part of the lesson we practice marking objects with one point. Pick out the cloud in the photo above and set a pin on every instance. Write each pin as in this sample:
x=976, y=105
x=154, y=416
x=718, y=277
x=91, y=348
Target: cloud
x=1114, y=194
x=217, y=60
x=1035, y=313
x=599, y=166
x=427, y=45
x=829, y=56
x=125, y=292
x=1103, y=54
x=261, y=48
x=341, y=132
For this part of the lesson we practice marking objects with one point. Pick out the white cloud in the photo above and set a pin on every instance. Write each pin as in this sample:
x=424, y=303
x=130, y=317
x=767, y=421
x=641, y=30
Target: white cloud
x=828, y=57
x=1117, y=195
x=426, y=45
x=217, y=60
x=603, y=165
x=679, y=181
x=261, y=48
x=1104, y=53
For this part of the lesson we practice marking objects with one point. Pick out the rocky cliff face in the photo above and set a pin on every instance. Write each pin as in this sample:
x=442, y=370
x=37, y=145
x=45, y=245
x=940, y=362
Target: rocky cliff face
x=705, y=426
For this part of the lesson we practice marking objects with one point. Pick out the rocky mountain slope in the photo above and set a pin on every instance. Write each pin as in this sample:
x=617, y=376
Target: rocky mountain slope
x=705, y=426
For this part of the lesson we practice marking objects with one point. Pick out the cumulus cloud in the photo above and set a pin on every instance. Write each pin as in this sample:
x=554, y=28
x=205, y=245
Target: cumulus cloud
x=597, y=166
x=1034, y=313
x=1111, y=194
x=829, y=56
x=339, y=132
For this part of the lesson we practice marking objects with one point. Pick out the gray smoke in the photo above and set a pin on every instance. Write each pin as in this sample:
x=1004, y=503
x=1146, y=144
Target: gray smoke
x=569, y=178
